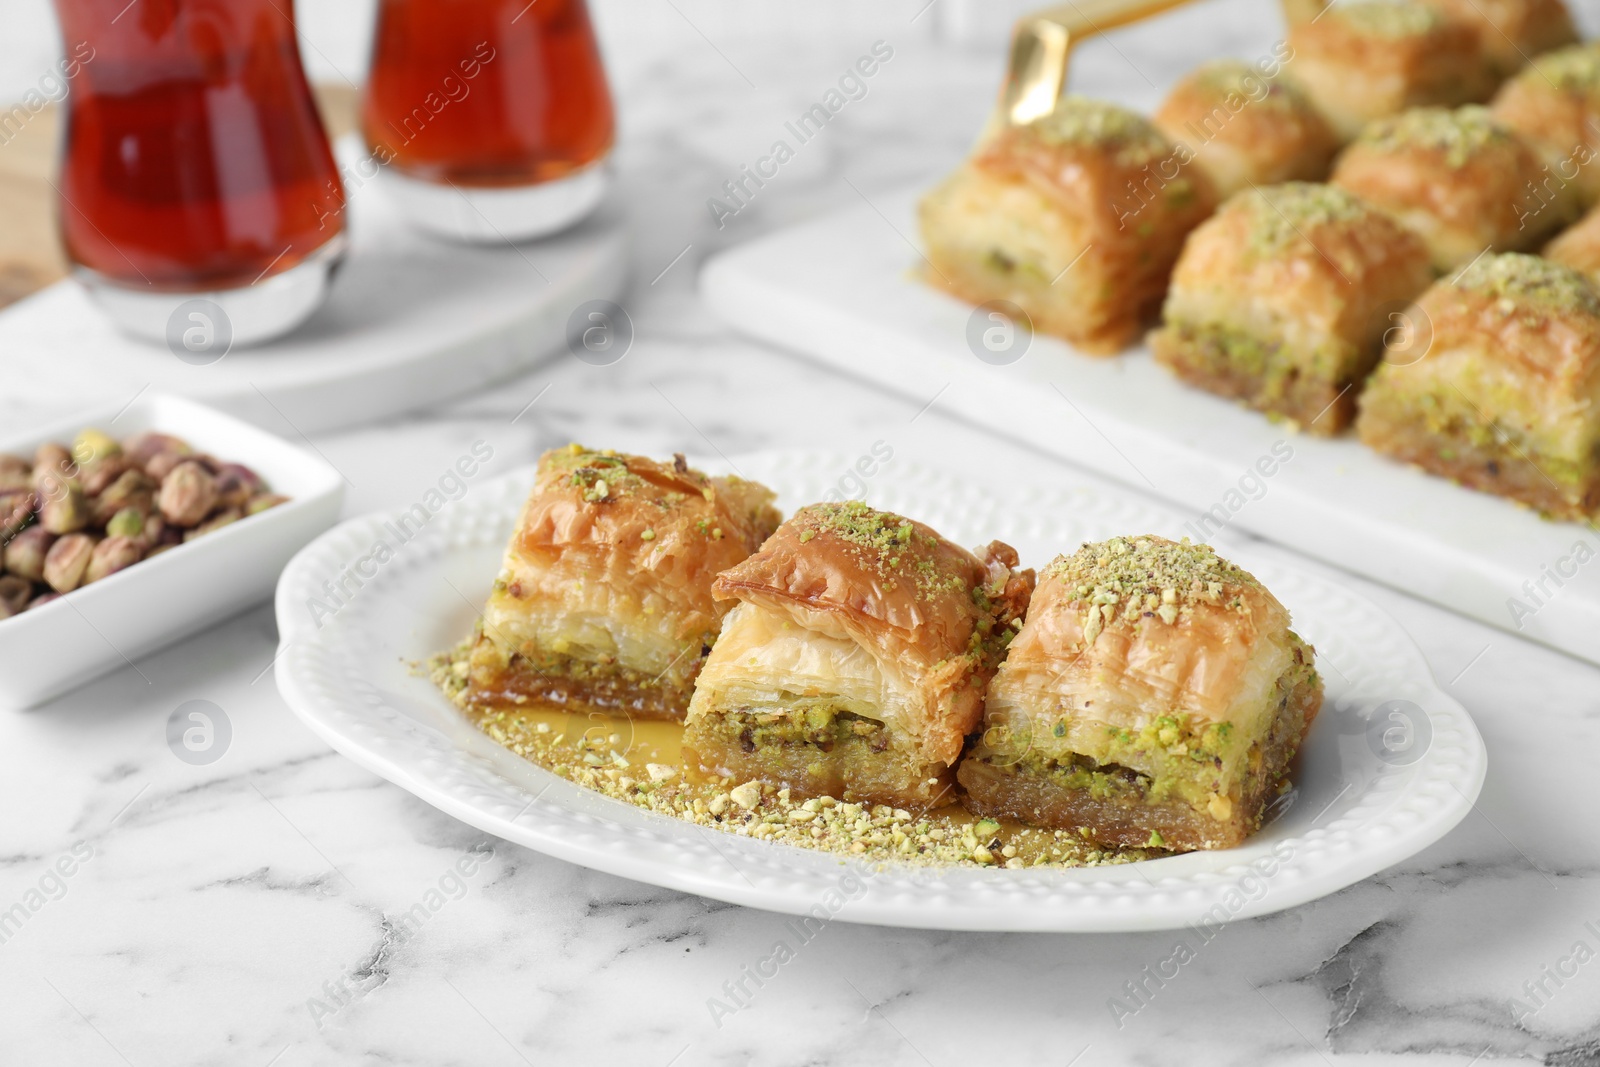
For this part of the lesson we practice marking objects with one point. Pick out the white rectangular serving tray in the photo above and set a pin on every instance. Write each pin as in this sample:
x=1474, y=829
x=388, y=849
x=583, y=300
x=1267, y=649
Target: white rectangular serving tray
x=844, y=290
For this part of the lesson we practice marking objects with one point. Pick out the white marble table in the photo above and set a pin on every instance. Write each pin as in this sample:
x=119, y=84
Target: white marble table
x=246, y=911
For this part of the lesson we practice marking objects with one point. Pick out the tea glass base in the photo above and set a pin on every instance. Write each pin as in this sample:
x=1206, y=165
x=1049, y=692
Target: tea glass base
x=207, y=323
x=482, y=215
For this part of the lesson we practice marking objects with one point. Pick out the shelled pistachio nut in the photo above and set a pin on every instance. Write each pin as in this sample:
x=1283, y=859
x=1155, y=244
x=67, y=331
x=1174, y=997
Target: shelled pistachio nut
x=142, y=446
x=52, y=459
x=126, y=523
x=91, y=446
x=15, y=593
x=25, y=553
x=16, y=510
x=65, y=511
x=99, y=475
x=110, y=556
x=187, y=494
x=15, y=473
x=236, y=485
x=162, y=464
x=132, y=489
x=66, y=561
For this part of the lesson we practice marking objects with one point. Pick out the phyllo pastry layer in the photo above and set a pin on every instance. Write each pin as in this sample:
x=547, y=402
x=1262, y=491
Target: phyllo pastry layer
x=1554, y=103
x=1457, y=177
x=604, y=600
x=1511, y=31
x=1245, y=129
x=1281, y=300
x=1076, y=218
x=1364, y=59
x=854, y=661
x=1154, y=697
x=1506, y=397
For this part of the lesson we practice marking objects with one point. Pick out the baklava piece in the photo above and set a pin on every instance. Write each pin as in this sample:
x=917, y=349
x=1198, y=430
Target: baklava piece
x=1076, y=218
x=1365, y=59
x=1554, y=103
x=603, y=603
x=854, y=661
x=1281, y=301
x=1506, y=398
x=1579, y=247
x=1511, y=32
x=1457, y=177
x=1245, y=129
x=1155, y=697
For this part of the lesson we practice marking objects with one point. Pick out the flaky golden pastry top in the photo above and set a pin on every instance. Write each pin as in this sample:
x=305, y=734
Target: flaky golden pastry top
x=1453, y=137
x=1245, y=128
x=936, y=617
x=1311, y=260
x=1528, y=331
x=615, y=555
x=1554, y=102
x=1510, y=31
x=1089, y=154
x=660, y=515
x=1458, y=176
x=1126, y=631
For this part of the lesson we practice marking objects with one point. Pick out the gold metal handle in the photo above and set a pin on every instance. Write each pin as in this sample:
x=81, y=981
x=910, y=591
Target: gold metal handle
x=1041, y=45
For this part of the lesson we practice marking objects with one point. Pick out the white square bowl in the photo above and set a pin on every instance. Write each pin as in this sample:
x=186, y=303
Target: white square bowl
x=74, y=639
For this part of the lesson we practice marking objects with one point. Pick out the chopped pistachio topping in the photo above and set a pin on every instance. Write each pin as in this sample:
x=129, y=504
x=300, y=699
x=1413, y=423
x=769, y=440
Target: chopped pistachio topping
x=1078, y=120
x=887, y=543
x=1518, y=279
x=601, y=475
x=1147, y=577
x=1390, y=19
x=1460, y=134
x=604, y=476
x=1572, y=70
x=1223, y=78
x=1283, y=215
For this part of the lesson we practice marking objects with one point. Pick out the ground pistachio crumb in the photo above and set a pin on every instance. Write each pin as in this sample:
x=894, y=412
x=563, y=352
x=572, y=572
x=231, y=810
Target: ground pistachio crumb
x=1518, y=279
x=1460, y=134
x=1391, y=19
x=873, y=833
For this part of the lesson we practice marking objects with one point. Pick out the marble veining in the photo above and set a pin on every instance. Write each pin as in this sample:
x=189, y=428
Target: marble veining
x=283, y=907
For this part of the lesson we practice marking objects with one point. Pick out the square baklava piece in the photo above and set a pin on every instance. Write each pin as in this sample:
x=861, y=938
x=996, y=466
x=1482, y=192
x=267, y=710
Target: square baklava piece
x=1076, y=218
x=854, y=661
x=1246, y=129
x=1282, y=299
x=1364, y=59
x=603, y=602
x=1506, y=397
x=1458, y=177
x=1154, y=698
x=1554, y=103
x=1510, y=32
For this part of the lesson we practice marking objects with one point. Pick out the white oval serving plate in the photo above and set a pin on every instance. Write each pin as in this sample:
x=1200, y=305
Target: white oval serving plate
x=1391, y=765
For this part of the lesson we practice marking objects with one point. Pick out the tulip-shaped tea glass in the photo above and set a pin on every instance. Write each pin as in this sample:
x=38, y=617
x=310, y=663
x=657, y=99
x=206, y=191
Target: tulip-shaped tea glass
x=195, y=168
x=488, y=120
